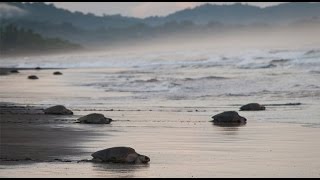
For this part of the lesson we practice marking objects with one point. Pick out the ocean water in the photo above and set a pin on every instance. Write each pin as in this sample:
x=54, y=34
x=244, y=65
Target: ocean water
x=193, y=80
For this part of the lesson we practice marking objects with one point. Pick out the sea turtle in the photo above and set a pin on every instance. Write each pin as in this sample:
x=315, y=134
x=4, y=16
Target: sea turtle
x=229, y=117
x=252, y=107
x=120, y=155
x=58, y=110
x=94, y=119
x=33, y=77
x=14, y=71
x=57, y=73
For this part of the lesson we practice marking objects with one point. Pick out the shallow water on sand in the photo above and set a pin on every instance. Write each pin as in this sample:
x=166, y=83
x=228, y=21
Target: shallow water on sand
x=162, y=105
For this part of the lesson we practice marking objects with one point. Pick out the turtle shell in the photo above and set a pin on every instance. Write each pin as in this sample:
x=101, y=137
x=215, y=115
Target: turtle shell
x=58, y=110
x=94, y=119
x=116, y=155
x=252, y=107
x=228, y=117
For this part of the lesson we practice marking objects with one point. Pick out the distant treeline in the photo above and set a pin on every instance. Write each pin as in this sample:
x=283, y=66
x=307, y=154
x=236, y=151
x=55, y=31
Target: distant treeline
x=15, y=41
x=112, y=35
x=227, y=14
x=42, y=27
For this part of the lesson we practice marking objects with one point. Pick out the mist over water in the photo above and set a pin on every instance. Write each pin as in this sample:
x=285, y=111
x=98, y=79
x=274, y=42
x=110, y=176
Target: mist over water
x=241, y=48
x=195, y=73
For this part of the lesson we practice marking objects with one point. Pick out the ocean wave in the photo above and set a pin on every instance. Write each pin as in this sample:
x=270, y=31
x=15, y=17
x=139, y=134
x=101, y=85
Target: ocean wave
x=258, y=66
x=149, y=63
x=153, y=80
x=313, y=52
x=314, y=72
x=279, y=51
x=279, y=61
x=205, y=78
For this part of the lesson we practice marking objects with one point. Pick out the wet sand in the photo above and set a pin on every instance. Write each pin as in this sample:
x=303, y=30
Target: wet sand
x=30, y=135
x=179, y=145
x=180, y=141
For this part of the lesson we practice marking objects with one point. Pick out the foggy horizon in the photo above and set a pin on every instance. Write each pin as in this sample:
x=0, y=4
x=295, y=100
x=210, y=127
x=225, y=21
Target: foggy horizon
x=143, y=9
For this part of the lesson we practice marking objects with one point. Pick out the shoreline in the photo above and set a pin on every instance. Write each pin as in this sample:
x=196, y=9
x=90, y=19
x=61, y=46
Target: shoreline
x=14, y=68
x=5, y=71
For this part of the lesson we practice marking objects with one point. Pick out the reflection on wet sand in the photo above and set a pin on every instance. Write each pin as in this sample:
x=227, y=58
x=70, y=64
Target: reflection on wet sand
x=229, y=128
x=228, y=125
x=118, y=170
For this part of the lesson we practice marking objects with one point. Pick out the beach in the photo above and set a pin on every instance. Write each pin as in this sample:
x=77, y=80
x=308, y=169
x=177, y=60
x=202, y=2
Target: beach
x=163, y=110
x=179, y=144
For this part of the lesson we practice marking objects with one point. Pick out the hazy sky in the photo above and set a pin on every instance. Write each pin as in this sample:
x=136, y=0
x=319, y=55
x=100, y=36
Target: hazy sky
x=139, y=9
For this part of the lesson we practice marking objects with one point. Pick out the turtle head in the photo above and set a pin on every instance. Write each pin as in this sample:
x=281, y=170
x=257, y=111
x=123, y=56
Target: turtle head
x=143, y=159
x=243, y=120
